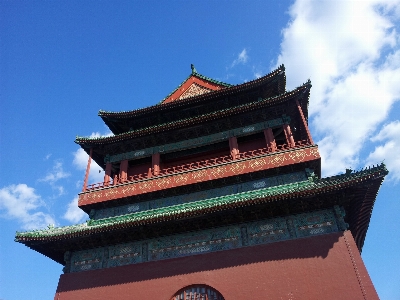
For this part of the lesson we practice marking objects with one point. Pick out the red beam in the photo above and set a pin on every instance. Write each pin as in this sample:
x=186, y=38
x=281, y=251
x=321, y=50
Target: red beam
x=87, y=170
x=237, y=167
x=304, y=122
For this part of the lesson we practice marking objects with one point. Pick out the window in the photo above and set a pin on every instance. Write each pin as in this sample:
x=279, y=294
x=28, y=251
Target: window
x=198, y=292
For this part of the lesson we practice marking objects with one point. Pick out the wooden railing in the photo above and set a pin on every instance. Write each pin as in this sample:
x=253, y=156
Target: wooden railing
x=196, y=165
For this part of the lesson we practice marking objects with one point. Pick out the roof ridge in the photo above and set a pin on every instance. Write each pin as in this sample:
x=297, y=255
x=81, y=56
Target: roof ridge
x=125, y=134
x=210, y=203
x=185, y=207
x=199, y=76
x=356, y=174
x=104, y=113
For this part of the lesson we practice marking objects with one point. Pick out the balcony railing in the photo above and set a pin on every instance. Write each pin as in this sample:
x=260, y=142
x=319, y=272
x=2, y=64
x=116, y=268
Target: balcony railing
x=195, y=165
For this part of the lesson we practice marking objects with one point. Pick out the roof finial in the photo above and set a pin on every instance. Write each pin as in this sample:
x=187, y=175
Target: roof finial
x=193, y=69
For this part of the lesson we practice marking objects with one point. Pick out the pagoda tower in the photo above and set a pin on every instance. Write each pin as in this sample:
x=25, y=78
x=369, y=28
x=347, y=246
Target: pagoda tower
x=215, y=193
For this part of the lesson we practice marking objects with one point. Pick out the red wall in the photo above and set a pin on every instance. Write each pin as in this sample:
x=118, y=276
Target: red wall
x=321, y=267
x=252, y=145
x=195, y=158
x=139, y=169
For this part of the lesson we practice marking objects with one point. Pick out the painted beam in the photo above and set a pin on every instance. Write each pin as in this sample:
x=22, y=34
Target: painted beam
x=197, y=142
x=205, y=241
x=232, y=168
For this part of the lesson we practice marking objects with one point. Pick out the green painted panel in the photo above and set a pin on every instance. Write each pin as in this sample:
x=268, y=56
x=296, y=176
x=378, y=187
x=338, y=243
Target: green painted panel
x=197, y=142
x=202, y=195
x=205, y=241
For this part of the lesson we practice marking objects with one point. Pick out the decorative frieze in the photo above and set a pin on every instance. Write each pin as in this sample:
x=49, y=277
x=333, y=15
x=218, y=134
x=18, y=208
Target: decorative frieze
x=195, y=243
x=230, y=168
x=340, y=213
x=197, y=142
x=124, y=254
x=87, y=259
x=206, y=241
x=194, y=90
x=206, y=194
x=265, y=232
x=315, y=223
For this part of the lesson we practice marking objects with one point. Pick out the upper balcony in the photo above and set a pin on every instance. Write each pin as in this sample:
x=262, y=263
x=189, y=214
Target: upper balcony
x=240, y=157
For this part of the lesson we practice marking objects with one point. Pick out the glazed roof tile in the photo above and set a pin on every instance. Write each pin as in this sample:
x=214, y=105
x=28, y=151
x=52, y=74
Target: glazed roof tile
x=230, y=88
x=309, y=187
x=197, y=119
x=199, y=76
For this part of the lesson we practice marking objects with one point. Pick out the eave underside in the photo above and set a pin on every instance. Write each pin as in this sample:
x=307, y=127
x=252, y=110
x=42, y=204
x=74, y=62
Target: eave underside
x=314, y=165
x=356, y=194
x=202, y=125
x=268, y=86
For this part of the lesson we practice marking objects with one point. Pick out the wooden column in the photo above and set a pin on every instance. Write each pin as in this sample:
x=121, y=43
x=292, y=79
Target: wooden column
x=107, y=175
x=310, y=140
x=269, y=138
x=87, y=171
x=233, y=145
x=123, y=170
x=155, y=159
x=289, y=135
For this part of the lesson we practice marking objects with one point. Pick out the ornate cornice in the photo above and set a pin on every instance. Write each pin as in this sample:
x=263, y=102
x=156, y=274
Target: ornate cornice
x=300, y=92
x=231, y=168
x=358, y=220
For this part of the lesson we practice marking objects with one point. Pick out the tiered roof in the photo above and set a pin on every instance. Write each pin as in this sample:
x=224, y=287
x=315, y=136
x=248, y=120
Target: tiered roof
x=223, y=113
x=355, y=191
x=222, y=106
x=200, y=102
x=272, y=84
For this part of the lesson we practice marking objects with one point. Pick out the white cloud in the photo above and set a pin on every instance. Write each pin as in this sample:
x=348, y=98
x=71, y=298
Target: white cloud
x=350, y=51
x=98, y=134
x=241, y=59
x=21, y=203
x=81, y=160
x=55, y=174
x=74, y=214
x=257, y=74
x=389, y=152
x=60, y=190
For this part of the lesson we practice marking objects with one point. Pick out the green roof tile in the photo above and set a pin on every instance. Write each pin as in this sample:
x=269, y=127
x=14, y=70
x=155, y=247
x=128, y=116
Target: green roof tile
x=311, y=186
x=201, y=77
x=215, y=114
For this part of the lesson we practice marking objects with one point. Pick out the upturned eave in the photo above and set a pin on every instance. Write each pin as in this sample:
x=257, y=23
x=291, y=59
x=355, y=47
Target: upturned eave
x=276, y=77
x=366, y=182
x=301, y=92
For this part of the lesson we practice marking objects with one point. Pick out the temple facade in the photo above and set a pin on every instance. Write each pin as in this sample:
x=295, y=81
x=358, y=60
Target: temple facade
x=215, y=193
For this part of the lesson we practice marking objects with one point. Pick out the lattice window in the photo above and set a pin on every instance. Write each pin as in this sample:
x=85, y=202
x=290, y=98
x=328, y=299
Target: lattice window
x=198, y=292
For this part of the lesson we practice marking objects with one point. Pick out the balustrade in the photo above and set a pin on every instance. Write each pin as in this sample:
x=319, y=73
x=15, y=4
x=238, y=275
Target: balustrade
x=196, y=165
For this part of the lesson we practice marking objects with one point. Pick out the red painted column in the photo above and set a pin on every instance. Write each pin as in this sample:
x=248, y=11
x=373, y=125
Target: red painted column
x=304, y=123
x=156, y=163
x=269, y=138
x=87, y=171
x=289, y=135
x=233, y=145
x=107, y=176
x=123, y=170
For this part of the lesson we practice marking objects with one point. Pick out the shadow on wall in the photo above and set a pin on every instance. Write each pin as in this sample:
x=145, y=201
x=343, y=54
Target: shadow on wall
x=311, y=247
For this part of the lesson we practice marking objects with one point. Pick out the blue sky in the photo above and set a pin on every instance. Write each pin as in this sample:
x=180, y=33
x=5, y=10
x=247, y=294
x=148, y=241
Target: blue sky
x=61, y=62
